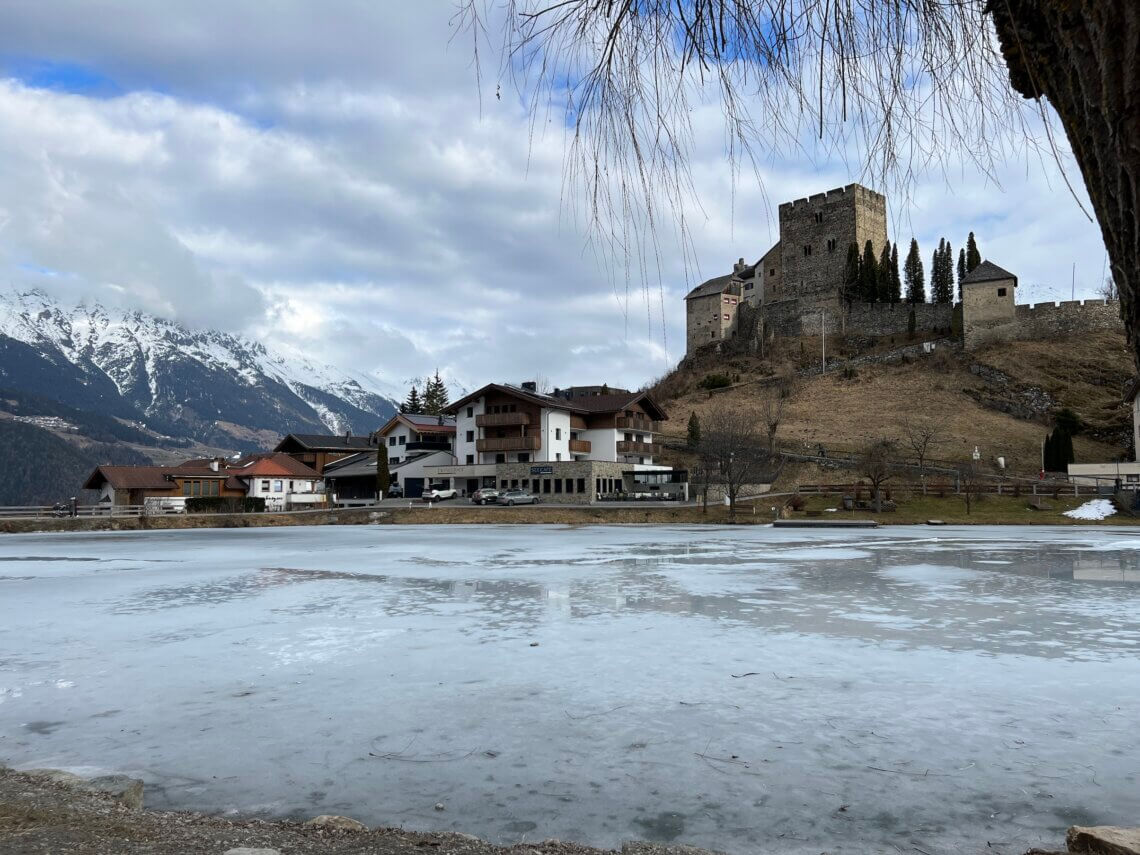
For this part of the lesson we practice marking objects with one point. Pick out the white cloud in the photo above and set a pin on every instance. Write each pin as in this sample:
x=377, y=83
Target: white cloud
x=330, y=179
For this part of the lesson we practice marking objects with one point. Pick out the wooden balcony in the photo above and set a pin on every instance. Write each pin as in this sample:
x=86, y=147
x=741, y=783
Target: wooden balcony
x=635, y=423
x=625, y=447
x=501, y=419
x=580, y=446
x=508, y=443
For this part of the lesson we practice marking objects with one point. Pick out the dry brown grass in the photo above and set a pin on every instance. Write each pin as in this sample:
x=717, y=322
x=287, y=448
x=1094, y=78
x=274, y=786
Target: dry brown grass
x=1085, y=373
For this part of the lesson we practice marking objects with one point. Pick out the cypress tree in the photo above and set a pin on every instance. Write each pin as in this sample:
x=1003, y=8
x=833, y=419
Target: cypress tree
x=948, y=268
x=941, y=276
x=896, y=281
x=383, y=474
x=883, y=280
x=413, y=404
x=914, y=275
x=868, y=274
x=973, y=257
x=961, y=271
x=851, y=273
x=694, y=434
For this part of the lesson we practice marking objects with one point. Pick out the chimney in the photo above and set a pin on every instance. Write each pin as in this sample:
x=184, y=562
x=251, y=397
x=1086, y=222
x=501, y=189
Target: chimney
x=740, y=265
x=347, y=436
x=214, y=465
x=530, y=385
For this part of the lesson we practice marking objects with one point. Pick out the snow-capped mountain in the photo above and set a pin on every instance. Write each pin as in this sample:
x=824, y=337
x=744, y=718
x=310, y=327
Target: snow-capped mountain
x=205, y=385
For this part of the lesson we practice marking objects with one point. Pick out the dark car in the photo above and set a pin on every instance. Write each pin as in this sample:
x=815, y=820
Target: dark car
x=486, y=495
x=517, y=497
x=395, y=491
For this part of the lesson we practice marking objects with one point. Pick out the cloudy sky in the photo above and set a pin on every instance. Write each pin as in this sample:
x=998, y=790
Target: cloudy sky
x=331, y=176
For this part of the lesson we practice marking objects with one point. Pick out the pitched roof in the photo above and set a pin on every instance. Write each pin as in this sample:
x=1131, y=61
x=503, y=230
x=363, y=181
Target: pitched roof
x=130, y=478
x=584, y=405
x=322, y=442
x=987, y=271
x=716, y=285
x=422, y=422
x=273, y=464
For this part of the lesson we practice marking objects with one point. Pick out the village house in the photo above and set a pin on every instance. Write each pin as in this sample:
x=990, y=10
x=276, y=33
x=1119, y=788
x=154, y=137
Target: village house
x=318, y=450
x=575, y=445
x=282, y=481
x=411, y=434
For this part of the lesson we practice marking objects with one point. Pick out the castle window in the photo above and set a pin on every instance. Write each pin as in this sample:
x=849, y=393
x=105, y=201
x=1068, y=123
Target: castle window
x=726, y=316
x=748, y=287
x=831, y=245
x=819, y=217
x=1001, y=292
x=772, y=272
x=807, y=250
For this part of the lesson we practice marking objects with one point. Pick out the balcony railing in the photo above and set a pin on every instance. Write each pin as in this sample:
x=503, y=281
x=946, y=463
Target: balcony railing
x=625, y=447
x=508, y=443
x=429, y=445
x=635, y=423
x=581, y=446
x=501, y=419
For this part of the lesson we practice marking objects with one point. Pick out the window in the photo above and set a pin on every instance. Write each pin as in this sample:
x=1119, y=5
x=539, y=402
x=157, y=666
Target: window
x=558, y=433
x=403, y=440
x=819, y=216
x=748, y=287
x=470, y=412
x=628, y=437
x=514, y=483
x=807, y=250
x=558, y=455
x=470, y=436
x=557, y=485
x=1001, y=292
x=546, y=485
x=524, y=457
x=500, y=458
x=503, y=484
x=581, y=485
x=569, y=485
x=831, y=244
x=390, y=460
x=391, y=440
x=277, y=487
x=290, y=486
x=470, y=459
x=772, y=272
x=712, y=334
x=265, y=484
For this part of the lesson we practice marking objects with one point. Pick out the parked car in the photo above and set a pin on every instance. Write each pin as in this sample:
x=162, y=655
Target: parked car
x=486, y=495
x=517, y=497
x=438, y=494
x=395, y=491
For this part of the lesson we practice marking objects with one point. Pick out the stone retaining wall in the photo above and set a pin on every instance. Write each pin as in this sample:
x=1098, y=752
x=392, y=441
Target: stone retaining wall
x=1046, y=321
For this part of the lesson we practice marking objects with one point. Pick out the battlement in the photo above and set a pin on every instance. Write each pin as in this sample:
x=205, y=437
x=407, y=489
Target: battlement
x=1026, y=310
x=840, y=194
x=1046, y=320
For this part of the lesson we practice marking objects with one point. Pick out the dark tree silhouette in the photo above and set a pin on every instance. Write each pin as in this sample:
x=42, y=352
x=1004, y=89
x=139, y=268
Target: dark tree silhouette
x=914, y=276
x=905, y=83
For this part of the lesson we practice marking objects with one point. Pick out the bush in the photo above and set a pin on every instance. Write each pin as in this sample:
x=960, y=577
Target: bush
x=850, y=373
x=225, y=505
x=715, y=381
x=796, y=503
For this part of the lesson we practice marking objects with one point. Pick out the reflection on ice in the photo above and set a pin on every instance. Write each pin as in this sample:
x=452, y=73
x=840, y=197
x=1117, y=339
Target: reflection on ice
x=687, y=684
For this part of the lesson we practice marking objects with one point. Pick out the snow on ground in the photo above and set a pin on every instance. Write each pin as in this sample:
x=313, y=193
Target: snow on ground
x=690, y=685
x=1097, y=509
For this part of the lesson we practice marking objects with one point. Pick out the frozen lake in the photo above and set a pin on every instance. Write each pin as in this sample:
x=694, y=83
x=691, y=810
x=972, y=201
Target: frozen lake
x=723, y=687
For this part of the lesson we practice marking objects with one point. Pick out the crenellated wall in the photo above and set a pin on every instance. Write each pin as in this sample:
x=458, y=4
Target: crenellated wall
x=1048, y=320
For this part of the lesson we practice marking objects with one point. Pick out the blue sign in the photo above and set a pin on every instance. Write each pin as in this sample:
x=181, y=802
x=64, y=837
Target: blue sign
x=542, y=470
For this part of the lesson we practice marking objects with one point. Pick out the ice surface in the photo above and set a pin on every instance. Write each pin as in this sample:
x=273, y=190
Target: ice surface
x=723, y=687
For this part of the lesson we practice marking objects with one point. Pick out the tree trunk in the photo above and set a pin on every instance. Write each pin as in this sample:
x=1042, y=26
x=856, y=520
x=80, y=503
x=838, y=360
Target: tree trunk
x=1084, y=56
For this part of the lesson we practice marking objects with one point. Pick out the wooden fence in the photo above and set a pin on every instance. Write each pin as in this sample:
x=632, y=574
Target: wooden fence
x=1026, y=488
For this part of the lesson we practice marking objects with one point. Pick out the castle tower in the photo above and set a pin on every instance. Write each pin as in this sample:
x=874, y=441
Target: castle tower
x=814, y=236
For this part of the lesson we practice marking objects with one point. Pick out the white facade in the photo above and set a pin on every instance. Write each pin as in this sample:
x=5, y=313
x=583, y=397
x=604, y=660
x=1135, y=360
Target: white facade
x=555, y=436
x=397, y=441
x=281, y=491
x=466, y=433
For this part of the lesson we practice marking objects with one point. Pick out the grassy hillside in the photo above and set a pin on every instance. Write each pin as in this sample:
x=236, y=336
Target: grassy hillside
x=999, y=399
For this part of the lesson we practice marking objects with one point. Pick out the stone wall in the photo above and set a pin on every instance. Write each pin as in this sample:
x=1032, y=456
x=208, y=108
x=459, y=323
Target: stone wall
x=705, y=320
x=1048, y=320
x=788, y=318
x=815, y=234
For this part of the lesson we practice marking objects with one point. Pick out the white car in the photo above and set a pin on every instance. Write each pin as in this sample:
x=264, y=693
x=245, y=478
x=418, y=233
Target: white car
x=438, y=494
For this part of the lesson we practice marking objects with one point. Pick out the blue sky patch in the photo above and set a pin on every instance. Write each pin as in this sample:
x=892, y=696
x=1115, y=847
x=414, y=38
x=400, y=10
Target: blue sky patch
x=60, y=76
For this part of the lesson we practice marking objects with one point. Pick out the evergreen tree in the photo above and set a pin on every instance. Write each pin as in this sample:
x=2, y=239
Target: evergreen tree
x=948, y=271
x=435, y=395
x=941, y=275
x=973, y=257
x=694, y=435
x=851, y=273
x=413, y=404
x=914, y=276
x=961, y=271
x=383, y=475
x=896, y=281
x=868, y=274
x=883, y=280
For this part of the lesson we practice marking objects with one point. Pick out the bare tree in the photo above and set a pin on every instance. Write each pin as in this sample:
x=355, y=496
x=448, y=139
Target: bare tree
x=903, y=83
x=1108, y=290
x=968, y=478
x=731, y=445
x=877, y=465
x=922, y=435
x=772, y=412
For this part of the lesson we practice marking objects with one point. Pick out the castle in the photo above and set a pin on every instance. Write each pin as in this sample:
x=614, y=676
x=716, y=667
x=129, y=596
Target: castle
x=796, y=288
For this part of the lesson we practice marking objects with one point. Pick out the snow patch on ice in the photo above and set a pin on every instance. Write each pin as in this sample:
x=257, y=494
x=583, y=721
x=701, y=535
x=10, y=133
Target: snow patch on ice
x=1097, y=509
